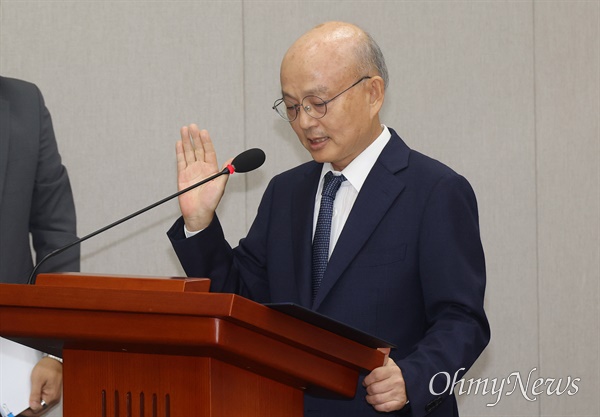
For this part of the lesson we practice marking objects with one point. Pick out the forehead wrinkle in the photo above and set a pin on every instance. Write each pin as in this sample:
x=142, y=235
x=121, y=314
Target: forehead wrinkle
x=320, y=89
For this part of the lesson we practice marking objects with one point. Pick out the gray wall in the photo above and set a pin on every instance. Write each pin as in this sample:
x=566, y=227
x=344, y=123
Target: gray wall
x=505, y=92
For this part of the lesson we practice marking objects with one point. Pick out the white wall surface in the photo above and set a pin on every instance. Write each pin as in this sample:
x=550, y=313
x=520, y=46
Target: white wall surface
x=505, y=92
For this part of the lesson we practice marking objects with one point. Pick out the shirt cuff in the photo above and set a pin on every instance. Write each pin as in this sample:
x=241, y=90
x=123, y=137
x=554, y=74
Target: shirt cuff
x=56, y=358
x=190, y=234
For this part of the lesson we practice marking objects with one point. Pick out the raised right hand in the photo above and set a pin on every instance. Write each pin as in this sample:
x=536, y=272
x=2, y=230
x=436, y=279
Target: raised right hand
x=197, y=160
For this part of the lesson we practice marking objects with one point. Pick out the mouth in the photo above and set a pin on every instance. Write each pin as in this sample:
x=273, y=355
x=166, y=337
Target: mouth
x=317, y=143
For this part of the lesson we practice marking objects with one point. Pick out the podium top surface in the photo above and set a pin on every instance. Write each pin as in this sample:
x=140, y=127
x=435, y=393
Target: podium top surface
x=166, y=321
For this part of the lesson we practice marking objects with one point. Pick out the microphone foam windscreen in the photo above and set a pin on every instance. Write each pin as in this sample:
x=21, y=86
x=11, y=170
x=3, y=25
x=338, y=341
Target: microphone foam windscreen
x=249, y=160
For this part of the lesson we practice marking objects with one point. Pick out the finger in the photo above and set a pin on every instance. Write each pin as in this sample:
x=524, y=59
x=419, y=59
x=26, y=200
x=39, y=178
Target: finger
x=379, y=398
x=197, y=143
x=379, y=386
x=180, y=154
x=387, y=400
x=188, y=148
x=210, y=156
x=390, y=406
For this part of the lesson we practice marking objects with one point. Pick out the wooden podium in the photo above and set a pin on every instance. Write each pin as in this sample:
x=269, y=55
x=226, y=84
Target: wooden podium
x=150, y=347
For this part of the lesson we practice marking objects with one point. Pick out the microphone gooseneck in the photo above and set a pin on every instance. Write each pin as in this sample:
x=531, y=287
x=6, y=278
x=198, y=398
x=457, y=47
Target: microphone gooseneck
x=247, y=161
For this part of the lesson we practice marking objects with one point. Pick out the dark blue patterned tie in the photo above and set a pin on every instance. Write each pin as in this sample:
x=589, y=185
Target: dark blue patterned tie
x=320, y=248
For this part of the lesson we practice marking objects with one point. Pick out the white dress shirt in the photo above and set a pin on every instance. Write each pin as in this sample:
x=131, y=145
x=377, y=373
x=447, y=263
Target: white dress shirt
x=356, y=173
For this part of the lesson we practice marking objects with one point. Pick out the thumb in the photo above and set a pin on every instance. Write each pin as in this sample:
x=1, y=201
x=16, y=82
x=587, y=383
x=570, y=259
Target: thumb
x=227, y=164
x=386, y=352
x=35, y=397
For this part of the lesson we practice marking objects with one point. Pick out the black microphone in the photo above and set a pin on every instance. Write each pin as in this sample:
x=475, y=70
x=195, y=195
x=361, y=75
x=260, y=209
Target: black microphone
x=247, y=161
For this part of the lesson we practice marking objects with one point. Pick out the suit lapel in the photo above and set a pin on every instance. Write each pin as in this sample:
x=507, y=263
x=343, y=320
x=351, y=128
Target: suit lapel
x=377, y=194
x=302, y=216
x=4, y=140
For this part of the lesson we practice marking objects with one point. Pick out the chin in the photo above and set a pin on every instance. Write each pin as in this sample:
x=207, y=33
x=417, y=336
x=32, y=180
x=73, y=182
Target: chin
x=319, y=157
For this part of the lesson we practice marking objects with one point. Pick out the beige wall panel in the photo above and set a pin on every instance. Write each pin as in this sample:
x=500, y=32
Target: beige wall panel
x=568, y=136
x=505, y=92
x=461, y=90
x=120, y=79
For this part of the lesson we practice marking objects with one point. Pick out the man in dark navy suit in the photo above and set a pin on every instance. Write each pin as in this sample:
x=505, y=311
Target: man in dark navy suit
x=401, y=258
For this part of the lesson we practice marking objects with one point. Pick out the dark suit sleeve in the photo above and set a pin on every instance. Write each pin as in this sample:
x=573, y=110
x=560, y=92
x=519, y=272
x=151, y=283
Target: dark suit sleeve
x=52, y=220
x=208, y=255
x=452, y=271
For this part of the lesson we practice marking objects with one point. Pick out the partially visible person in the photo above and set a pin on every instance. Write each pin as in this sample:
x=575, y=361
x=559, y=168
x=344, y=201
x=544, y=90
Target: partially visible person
x=36, y=203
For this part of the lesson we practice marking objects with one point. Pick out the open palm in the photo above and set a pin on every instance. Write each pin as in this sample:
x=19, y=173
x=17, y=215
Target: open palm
x=197, y=160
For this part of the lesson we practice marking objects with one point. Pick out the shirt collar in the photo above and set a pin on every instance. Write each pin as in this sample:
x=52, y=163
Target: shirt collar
x=357, y=171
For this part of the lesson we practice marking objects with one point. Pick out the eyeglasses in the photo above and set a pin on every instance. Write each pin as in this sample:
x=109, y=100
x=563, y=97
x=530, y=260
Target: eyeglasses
x=314, y=106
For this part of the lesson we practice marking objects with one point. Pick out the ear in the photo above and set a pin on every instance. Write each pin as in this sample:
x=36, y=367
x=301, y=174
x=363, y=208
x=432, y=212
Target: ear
x=376, y=94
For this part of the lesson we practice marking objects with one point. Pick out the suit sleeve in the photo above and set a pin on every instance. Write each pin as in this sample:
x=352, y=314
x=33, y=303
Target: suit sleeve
x=452, y=271
x=52, y=218
x=241, y=270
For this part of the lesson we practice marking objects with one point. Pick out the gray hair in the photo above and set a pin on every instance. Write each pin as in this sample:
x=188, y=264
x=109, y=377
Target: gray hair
x=370, y=57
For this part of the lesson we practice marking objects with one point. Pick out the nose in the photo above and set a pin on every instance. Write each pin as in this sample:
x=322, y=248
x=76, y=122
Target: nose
x=304, y=120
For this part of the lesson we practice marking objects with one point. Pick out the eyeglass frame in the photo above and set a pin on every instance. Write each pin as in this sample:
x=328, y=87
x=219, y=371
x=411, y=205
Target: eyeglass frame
x=325, y=102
